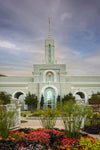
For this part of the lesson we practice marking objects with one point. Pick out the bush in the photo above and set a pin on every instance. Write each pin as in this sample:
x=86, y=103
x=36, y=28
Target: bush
x=31, y=101
x=24, y=114
x=6, y=121
x=48, y=118
x=68, y=97
x=95, y=99
x=72, y=116
x=4, y=98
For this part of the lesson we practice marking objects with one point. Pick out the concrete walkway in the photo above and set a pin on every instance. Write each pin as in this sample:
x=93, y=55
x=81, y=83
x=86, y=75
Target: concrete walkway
x=37, y=124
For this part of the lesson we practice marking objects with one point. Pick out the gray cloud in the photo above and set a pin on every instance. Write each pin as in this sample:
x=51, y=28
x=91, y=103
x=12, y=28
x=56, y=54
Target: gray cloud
x=74, y=26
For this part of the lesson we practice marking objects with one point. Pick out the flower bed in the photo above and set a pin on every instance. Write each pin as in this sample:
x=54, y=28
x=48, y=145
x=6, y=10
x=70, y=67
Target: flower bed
x=46, y=139
x=94, y=129
x=92, y=124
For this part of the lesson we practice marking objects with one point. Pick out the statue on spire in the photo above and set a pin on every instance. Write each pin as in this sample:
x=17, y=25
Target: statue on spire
x=49, y=20
x=49, y=26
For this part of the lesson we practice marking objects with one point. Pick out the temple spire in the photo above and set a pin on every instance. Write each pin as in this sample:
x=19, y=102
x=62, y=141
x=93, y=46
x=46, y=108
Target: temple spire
x=49, y=48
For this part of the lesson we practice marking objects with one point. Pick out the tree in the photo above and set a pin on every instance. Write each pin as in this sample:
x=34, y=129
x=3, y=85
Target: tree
x=31, y=101
x=5, y=98
x=42, y=102
x=58, y=98
x=95, y=98
x=68, y=97
x=59, y=103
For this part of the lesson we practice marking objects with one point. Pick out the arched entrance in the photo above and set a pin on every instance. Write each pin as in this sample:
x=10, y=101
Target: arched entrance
x=20, y=96
x=49, y=98
x=81, y=94
x=80, y=97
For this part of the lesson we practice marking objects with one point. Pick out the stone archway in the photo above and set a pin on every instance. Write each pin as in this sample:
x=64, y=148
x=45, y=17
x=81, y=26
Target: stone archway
x=80, y=97
x=50, y=94
x=81, y=94
x=20, y=96
x=49, y=98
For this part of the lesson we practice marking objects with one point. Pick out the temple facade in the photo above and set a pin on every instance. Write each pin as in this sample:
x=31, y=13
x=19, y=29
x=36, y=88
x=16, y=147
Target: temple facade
x=50, y=80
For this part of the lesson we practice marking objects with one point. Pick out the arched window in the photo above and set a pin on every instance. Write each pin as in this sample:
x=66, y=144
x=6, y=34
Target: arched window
x=49, y=77
x=81, y=94
x=49, y=54
x=80, y=97
x=49, y=98
x=20, y=96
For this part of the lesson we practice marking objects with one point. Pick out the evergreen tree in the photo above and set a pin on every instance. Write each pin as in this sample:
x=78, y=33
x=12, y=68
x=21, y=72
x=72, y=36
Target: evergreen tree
x=68, y=97
x=58, y=98
x=59, y=103
x=42, y=102
x=5, y=98
x=31, y=101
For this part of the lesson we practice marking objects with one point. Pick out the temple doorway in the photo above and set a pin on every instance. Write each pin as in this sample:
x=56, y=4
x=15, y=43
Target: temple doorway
x=49, y=98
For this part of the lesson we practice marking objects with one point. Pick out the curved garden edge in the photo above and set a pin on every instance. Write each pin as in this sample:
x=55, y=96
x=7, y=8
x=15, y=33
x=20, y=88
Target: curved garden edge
x=36, y=124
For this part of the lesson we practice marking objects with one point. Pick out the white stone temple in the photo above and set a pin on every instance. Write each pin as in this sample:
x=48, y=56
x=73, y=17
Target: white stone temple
x=50, y=80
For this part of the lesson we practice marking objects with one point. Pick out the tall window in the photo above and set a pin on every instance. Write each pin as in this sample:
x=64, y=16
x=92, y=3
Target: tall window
x=49, y=54
x=49, y=95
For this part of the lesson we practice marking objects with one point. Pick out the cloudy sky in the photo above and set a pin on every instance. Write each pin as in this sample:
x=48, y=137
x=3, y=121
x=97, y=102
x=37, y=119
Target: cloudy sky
x=75, y=27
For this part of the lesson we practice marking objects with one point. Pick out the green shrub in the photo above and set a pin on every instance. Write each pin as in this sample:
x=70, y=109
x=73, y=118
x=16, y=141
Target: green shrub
x=68, y=97
x=95, y=99
x=24, y=114
x=6, y=121
x=23, y=121
x=48, y=118
x=32, y=101
x=93, y=119
x=72, y=116
x=5, y=98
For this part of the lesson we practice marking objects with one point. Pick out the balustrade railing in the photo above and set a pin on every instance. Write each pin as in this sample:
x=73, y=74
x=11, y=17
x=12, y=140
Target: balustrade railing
x=16, y=109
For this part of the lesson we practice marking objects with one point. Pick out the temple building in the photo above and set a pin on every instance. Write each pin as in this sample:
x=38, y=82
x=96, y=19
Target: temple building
x=50, y=80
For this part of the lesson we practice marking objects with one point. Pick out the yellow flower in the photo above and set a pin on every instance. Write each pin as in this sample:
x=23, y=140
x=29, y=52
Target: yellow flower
x=86, y=148
x=0, y=138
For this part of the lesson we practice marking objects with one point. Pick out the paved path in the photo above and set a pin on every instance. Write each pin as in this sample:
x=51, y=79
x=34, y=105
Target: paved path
x=37, y=124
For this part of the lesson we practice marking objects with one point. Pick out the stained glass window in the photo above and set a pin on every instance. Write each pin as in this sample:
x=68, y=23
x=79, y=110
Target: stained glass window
x=49, y=96
x=49, y=54
x=49, y=76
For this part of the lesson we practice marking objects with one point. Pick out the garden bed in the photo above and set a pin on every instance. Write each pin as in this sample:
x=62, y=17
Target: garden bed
x=47, y=139
x=94, y=129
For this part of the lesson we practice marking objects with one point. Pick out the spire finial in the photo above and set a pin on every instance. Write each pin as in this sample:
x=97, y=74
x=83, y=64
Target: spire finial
x=49, y=26
x=49, y=20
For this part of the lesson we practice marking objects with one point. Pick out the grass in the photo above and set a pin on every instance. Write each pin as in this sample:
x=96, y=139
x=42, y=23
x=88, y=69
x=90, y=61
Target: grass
x=23, y=121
